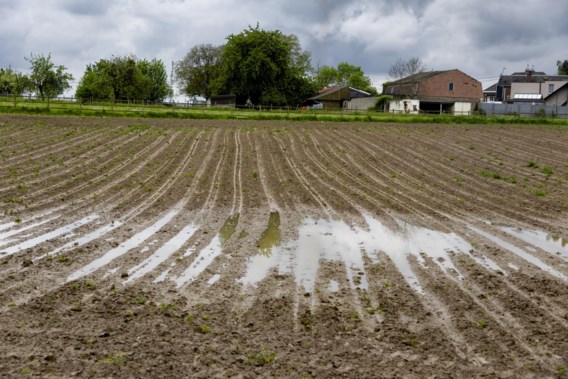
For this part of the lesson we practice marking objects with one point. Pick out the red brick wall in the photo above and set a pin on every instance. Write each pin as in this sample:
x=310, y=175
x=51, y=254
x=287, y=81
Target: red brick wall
x=464, y=86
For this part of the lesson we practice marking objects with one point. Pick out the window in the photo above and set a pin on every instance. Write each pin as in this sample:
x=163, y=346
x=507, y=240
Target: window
x=450, y=86
x=550, y=88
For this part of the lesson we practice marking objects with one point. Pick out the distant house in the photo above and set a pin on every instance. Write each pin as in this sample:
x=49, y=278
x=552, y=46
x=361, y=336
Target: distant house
x=450, y=91
x=559, y=97
x=490, y=93
x=529, y=86
x=336, y=97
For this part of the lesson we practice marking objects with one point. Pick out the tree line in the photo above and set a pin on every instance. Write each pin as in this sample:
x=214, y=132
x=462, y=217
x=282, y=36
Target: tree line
x=265, y=67
x=259, y=66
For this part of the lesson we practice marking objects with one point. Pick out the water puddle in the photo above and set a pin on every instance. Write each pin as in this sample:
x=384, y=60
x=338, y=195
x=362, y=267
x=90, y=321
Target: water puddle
x=4, y=236
x=206, y=256
x=336, y=241
x=271, y=236
x=519, y=252
x=214, y=279
x=514, y=267
x=333, y=286
x=83, y=240
x=126, y=246
x=47, y=236
x=162, y=254
x=162, y=277
x=229, y=228
x=111, y=272
x=552, y=245
x=11, y=224
x=7, y=225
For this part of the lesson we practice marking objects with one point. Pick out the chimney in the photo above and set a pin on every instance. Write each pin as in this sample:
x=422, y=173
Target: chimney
x=528, y=73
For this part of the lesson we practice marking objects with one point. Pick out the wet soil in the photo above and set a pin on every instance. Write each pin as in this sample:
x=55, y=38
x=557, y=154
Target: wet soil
x=201, y=248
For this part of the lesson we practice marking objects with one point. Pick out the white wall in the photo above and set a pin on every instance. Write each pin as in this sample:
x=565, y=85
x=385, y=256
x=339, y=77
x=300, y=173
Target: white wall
x=361, y=103
x=526, y=88
x=397, y=106
x=462, y=108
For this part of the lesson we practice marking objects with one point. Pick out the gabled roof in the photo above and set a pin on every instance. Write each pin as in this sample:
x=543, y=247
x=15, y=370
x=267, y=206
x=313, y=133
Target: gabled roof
x=492, y=88
x=353, y=92
x=423, y=76
x=326, y=92
x=557, y=89
x=417, y=77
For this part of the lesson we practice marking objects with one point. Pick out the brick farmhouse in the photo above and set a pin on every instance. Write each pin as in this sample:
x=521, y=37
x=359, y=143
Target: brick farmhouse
x=450, y=91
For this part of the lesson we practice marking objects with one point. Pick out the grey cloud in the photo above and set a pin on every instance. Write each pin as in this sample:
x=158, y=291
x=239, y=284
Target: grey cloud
x=87, y=7
x=477, y=37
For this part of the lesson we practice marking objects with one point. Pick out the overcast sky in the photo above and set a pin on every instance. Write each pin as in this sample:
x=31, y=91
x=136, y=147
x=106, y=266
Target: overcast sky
x=480, y=38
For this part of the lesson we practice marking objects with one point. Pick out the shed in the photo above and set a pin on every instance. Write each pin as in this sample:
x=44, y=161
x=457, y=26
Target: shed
x=337, y=97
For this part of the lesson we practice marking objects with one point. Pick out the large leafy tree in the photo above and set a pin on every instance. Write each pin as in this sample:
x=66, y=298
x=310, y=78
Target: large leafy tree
x=265, y=66
x=344, y=74
x=124, y=78
x=155, y=72
x=199, y=71
x=562, y=67
x=403, y=68
x=95, y=83
x=48, y=79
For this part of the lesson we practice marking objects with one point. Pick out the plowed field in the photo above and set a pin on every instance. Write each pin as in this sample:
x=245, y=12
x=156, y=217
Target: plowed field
x=164, y=248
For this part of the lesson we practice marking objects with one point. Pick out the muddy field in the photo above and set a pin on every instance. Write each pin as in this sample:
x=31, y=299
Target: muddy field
x=144, y=248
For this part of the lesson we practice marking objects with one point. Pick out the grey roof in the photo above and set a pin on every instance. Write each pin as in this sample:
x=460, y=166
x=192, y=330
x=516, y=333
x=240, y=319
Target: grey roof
x=492, y=88
x=353, y=92
x=536, y=77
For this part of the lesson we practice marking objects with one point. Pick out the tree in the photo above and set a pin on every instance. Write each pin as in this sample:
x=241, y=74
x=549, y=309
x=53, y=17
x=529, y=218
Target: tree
x=267, y=67
x=13, y=83
x=156, y=73
x=199, y=70
x=6, y=81
x=401, y=68
x=96, y=83
x=48, y=79
x=124, y=78
x=344, y=74
x=562, y=67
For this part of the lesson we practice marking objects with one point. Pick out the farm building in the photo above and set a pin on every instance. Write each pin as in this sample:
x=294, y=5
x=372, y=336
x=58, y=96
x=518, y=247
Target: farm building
x=450, y=91
x=338, y=97
x=223, y=101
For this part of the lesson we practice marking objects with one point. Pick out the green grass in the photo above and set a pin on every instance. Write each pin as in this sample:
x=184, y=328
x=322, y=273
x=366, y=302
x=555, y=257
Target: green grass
x=262, y=358
x=58, y=107
x=547, y=170
x=487, y=174
x=113, y=359
x=203, y=329
x=482, y=324
x=532, y=164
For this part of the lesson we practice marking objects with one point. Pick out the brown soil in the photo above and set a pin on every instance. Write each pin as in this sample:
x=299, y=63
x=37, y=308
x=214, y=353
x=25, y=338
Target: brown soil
x=117, y=258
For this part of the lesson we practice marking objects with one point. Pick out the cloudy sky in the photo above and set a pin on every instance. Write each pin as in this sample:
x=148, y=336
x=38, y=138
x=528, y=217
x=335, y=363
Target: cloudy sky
x=480, y=38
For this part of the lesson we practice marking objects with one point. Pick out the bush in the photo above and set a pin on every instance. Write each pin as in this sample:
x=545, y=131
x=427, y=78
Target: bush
x=381, y=102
